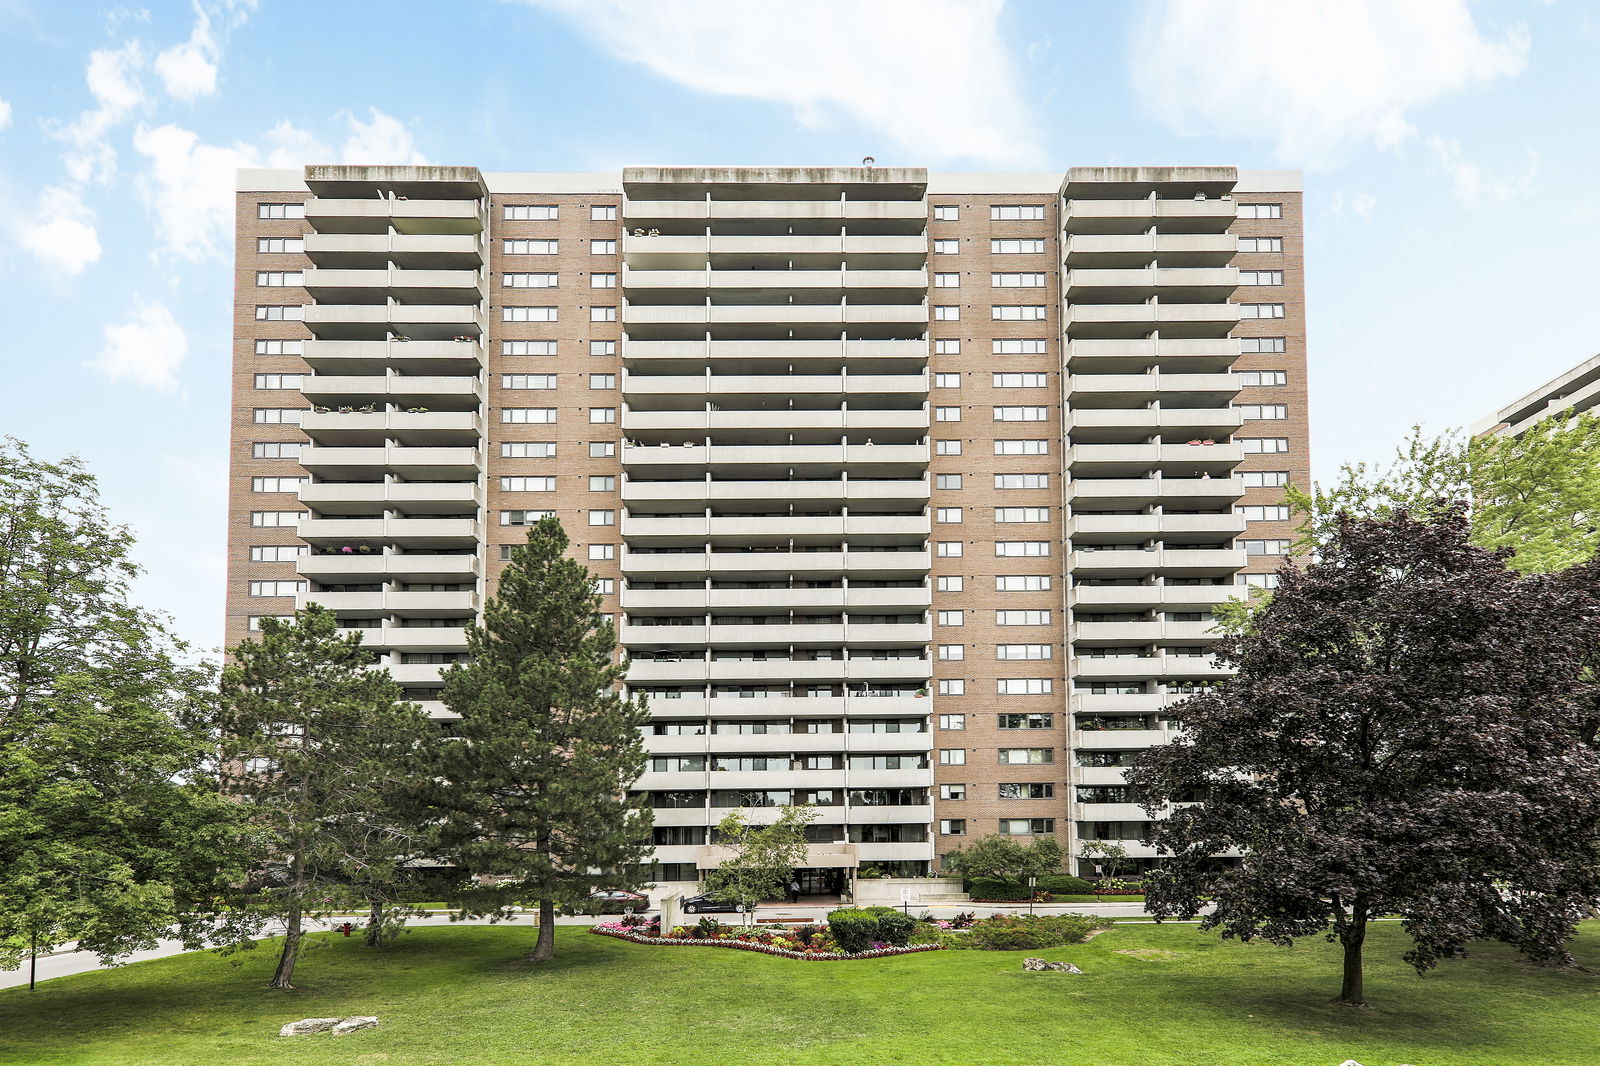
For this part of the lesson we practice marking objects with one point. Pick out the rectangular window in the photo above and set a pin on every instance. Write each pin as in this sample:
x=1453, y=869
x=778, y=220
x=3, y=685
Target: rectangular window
x=946, y=247
x=946, y=313
x=1022, y=583
x=953, y=827
x=1026, y=756
x=1017, y=281
x=947, y=381
x=1260, y=311
x=1025, y=686
x=1037, y=346
x=602, y=483
x=947, y=281
x=602, y=347
x=527, y=484
x=605, y=586
x=1265, y=547
x=1015, y=313
x=280, y=210
x=1252, y=412
x=602, y=449
x=1255, y=512
x=606, y=247
x=602, y=551
x=523, y=518
x=276, y=588
x=527, y=347
x=1022, y=481
x=1022, y=447
x=1260, y=277
x=602, y=281
x=950, y=618
x=1262, y=377
x=952, y=792
x=602, y=415
x=528, y=314
x=276, y=553
x=528, y=449
x=1264, y=445
x=951, y=583
x=952, y=652
x=1020, y=381
x=952, y=687
x=277, y=484
x=530, y=281
x=528, y=416
x=948, y=549
x=275, y=450
x=947, y=414
x=947, y=514
x=276, y=416
x=1023, y=652
x=280, y=313
x=1260, y=211
x=602, y=314
x=602, y=381
x=1259, y=581
x=1026, y=720
x=275, y=278
x=1264, y=479
x=279, y=381
x=947, y=347
x=527, y=381
x=603, y=213
x=1022, y=618
x=1022, y=414
x=946, y=213
x=1027, y=790
x=952, y=756
x=947, y=481
x=1021, y=514
x=1021, y=549
x=1027, y=826
x=1016, y=213
x=278, y=347
x=526, y=247
x=1016, y=245
x=254, y=621
x=276, y=519
x=602, y=518
x=1260, y=244
x=531, y=212
x=1263, y=345
x=947, y=447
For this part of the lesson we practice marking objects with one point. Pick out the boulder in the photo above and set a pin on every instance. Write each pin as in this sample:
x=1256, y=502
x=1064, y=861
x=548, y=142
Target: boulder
x=354, y=1022
x=308, y=1025
x=1042, y=965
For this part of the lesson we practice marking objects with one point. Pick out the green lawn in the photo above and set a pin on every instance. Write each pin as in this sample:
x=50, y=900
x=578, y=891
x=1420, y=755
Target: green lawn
x=466, y=995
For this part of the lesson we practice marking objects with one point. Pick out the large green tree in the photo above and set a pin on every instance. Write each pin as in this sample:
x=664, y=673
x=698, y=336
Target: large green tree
x=1402, y=737
x=326, y=760
x=1001, y=856
x=112, y=832
x=533, y=789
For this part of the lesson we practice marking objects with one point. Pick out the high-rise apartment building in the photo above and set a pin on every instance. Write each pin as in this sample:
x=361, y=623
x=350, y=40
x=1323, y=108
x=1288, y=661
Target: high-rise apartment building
x=911, y=493
x=1577, y=390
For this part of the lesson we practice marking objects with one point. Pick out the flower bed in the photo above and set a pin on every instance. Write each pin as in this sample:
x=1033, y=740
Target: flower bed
x=764, y=941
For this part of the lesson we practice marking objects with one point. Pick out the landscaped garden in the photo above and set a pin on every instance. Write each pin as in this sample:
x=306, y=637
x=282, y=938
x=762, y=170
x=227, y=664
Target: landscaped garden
x=1152, y=995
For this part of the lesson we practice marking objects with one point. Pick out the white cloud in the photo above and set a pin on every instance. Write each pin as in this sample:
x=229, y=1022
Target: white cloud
x=62, y=232
x=188, y=71
x=1476, y=185
x=1361, y=205
x=113, y=79
x=1316, y=77
x=5, y=113
x=147, y=348
x=189, y=184
x=872, y=63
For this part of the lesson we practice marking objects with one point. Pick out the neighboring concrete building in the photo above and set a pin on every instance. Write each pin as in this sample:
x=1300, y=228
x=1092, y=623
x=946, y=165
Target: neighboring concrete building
x=1577, y=390
x=911, y=493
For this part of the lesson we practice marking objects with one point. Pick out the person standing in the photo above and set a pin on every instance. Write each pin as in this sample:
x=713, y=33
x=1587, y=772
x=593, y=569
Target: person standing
x=794, y=890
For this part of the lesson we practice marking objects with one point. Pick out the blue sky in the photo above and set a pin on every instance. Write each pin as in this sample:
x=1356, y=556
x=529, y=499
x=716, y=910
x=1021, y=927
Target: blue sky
x=1448, y=150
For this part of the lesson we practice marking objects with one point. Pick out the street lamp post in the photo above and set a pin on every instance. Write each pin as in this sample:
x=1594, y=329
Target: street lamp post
x=1032, y=881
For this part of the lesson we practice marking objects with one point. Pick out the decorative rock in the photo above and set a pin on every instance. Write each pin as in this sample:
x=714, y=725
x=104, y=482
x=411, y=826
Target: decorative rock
x=1041, y=965
x=308, y=1025
x=354, y=1022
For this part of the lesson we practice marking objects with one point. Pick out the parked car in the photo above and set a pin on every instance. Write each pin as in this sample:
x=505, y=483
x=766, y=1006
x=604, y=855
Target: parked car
x=611, y=901
x=703, y=903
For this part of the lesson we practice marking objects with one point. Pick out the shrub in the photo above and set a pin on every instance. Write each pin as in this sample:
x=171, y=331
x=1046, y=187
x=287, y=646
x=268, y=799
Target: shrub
x=707, y=928
x=852, y=929
x=926, y=934
x=1065, y=885
x=1013, y=932
x=894, y=927
x=995, y=888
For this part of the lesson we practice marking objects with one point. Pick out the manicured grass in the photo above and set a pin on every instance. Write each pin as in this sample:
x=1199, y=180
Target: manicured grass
x=466, y=995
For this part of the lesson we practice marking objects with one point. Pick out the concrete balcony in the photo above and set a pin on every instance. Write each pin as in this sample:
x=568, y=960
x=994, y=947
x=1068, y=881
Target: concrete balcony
x=1096, y=494
x=821, y=490
x=334, y=215
x=898, y=634
x=442, y=251
x=1118, y=703
x=1101, y=460
x=363, y=357
x=1130, y=388
x=447, y=496
x=1098, y=775
x=772, y=314
x=417, y=638
x=1115, y=632
x=753, y=565
x=648, y=210
x=838, y=281
x=419, y=463
x=419, y=674
x=1109, y=812
x=863, y=743
x=1092, y=285
x=1142, y=526
x=882, y=457
x=461, y=429
x=1216, y=353
x=1136, y=320
x=743, y=635
x=776, y=670
x=1139, y=249
x=350, y=569
x=334, y=285
x=418, y=604
x=766, y=385
x=907, y=815
x=420, y=322
x=406, y=532
x=1198, y=420
x=918, y=852
x=862, y=669
x=1120, y=739
x=903, y=778
x=1143, y=597
x=334, y=390
x=1138, y=216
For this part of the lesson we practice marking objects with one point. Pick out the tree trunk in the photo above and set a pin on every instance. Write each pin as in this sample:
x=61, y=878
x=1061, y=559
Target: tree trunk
x=291, y=951
x=1354, y=935
x=544, y=949
x=375, y=924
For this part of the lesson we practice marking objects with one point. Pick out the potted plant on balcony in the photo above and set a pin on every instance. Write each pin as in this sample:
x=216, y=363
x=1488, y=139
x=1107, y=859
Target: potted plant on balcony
x=921, y=692
x=365, y=549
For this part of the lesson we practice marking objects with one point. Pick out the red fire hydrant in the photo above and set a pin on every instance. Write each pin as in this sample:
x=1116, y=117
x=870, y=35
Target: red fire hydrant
x=345, y=928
